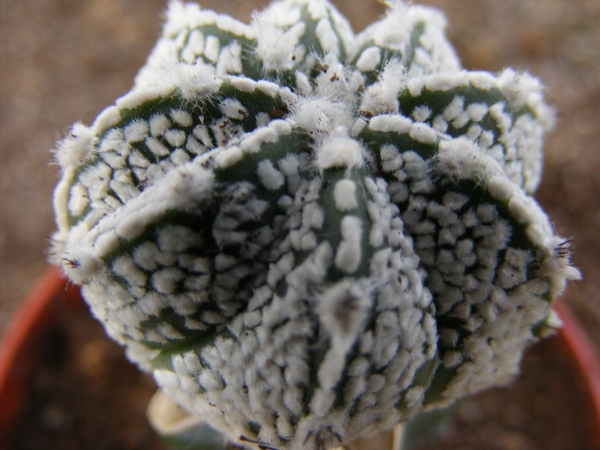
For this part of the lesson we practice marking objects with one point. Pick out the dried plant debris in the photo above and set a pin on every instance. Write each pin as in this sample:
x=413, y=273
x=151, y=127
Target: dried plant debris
x=309, y=235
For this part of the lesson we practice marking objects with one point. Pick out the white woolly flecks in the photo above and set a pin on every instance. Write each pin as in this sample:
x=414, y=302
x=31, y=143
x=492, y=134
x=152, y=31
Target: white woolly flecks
x=309, y=236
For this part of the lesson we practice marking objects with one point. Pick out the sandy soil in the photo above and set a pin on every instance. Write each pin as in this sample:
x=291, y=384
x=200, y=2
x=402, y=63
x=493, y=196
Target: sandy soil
x=65, y=60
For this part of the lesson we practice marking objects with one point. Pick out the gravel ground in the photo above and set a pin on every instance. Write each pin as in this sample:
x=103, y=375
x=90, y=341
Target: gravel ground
x=65, y=60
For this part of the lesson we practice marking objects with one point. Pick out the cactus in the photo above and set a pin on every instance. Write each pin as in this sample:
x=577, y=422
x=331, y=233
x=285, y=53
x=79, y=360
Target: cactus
x=309, y=236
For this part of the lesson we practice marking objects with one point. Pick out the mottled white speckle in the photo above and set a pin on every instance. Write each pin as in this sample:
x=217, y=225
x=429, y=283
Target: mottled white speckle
x=182, y=118
x=339, y=152
x=390, y=124
x=349, y=253
x=78, y=199
x=422, y=133
x=230, y=60
x=228, y=157
x=381, y=97
x=159, y=123
x=421, y=113
x=289, y=164
x=268, y=87
x=269, y=176
x=320, y=114
x=439, y=124
x=233, y=109
x=156, y=147
x=327, y=37
x=176, y=138
x=344, y=195
x=369, y=59
x=477, y=111
x=454, y=109
x=243, y=84
x=212, y=49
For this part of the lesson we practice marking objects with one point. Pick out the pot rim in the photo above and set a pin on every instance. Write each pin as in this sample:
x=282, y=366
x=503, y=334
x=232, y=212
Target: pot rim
x=16, y=343
x=584, y=353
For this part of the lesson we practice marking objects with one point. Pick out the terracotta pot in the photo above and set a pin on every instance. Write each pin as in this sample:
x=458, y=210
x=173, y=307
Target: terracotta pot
x=585, y=356
x=51, y=297
x=54, y=297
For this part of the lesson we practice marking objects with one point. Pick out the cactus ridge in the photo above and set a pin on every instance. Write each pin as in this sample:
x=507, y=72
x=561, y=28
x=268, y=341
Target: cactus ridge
x=309, y=236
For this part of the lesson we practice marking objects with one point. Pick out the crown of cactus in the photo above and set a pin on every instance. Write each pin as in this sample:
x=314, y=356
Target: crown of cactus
x=309, y=235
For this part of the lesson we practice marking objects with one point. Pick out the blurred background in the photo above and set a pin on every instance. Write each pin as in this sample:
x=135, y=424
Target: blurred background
x=63, y=61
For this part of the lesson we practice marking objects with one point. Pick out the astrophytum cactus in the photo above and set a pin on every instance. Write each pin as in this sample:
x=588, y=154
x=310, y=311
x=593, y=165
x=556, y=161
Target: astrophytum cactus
x=308, y=235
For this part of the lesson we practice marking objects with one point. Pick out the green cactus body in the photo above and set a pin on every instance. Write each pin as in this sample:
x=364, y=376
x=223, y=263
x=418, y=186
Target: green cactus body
x=310, y=236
